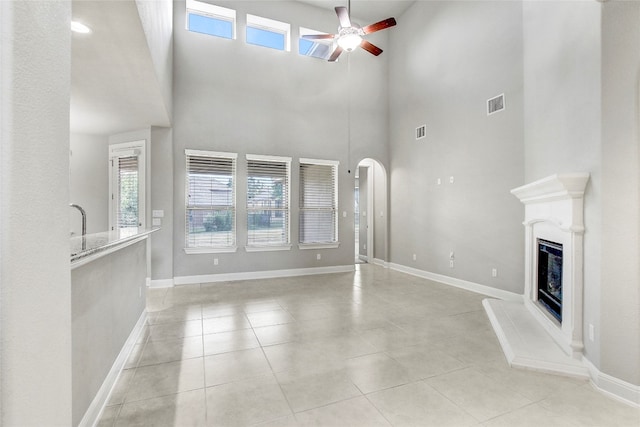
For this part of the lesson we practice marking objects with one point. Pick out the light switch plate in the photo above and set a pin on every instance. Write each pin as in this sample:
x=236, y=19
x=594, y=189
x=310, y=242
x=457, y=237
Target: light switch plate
x=158, y=213
x=156, y=222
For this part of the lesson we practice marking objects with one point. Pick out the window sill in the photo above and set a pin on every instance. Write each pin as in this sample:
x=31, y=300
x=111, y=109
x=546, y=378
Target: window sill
x=267, y=248
x=319, y=245
x=194, y=251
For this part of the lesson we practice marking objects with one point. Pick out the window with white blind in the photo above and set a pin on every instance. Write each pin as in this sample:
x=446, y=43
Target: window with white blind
x=210, y=199
x=126, y=186
x=268, y=202
x=318, y=203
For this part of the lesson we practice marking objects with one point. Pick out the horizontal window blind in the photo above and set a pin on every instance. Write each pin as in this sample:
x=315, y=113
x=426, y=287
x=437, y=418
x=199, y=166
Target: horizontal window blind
x=128, y=201
x=267, y=201
x=210, y=201
x=318, y=203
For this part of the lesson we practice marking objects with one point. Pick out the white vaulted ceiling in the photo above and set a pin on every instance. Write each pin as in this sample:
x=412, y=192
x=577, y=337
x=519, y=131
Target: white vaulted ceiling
x=368, y=10
x=114, y=87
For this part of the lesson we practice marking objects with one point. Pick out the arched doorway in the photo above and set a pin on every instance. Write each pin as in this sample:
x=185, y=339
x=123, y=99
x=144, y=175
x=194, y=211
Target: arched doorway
x=371, y=212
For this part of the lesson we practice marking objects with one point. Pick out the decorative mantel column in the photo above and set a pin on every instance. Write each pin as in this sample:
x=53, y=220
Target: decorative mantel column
x=554, y=212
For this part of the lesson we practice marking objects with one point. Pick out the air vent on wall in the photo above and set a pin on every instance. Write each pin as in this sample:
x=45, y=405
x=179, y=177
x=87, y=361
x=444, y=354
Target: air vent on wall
x=421, y=131
x=495, y=104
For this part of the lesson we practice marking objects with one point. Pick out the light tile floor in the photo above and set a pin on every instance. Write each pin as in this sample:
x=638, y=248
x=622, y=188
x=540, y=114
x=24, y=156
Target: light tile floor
x=370, y=348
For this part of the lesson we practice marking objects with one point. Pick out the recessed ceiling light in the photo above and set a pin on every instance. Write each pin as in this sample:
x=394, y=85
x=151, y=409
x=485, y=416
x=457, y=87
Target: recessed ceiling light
x=77, y=27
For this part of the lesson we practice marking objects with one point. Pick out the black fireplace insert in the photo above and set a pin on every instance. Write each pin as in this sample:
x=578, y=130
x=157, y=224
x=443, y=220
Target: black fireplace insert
x=550, y=277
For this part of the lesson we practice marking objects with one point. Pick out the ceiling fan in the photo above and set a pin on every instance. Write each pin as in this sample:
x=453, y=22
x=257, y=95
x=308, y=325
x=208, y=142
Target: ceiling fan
x=350, y=35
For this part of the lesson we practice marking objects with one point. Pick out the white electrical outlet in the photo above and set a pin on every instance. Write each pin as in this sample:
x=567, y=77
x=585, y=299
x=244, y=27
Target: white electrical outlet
x=364, y=246
x=451, y=255
x=318, y=256
x=156, y=222
x=451, y=263
x=494, y=272
x=439, y=181
x=414, y=257
x=451, y=180
x=592, y=332
x=215, y=261
x=344, y=214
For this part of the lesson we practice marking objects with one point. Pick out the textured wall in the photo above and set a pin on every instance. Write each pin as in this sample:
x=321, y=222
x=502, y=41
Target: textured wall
x=446, y=60
x=620, y=288
x=161, y=164
x=89, y=182
x=107, y=300
x=35, y=311
x=563, y=117
x=156, y=17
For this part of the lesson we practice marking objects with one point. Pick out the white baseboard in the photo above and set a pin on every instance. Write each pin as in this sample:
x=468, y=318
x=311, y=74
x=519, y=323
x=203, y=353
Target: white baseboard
x=380, y=262
x=160, y=283
x=458, y=283
x=269, y=274
x=614, y=387
x=101, y=398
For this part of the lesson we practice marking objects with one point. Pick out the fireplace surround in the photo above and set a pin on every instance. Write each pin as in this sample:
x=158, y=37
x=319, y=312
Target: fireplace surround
x=554, y=221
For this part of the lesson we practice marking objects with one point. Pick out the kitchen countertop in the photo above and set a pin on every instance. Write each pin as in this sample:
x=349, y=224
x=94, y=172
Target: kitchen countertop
x=106, y=241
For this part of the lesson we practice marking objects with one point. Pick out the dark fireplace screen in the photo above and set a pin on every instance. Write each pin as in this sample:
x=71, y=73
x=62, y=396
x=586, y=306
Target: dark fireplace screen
x=550, y=277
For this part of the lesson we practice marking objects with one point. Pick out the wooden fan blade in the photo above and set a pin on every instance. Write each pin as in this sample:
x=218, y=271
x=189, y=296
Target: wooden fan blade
x=371, y=48
x=336, y=53
x=343, y=16
x=318, y=36
x=389, y=22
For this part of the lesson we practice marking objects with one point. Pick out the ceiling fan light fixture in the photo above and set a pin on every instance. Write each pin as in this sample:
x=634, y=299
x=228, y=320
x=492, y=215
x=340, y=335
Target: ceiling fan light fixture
x=349, y=41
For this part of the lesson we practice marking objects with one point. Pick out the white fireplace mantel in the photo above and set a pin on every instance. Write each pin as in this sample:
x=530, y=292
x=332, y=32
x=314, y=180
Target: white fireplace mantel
x=554, y=187
x=554, y=211
x=529, y=335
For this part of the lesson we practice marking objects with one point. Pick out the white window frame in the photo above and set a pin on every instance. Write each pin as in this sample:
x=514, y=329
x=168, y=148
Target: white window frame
x=211, y=249
x=127, y=149
x=211, y=11
x=303, y=31
x=280, y=247
x=322, y=245
x=273, y=26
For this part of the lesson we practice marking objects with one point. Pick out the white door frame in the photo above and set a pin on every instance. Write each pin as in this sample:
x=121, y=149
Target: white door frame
x=127, y=149
x=370, y=214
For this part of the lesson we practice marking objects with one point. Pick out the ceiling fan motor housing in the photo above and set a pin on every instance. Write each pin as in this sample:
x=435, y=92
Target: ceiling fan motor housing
x=350, y=37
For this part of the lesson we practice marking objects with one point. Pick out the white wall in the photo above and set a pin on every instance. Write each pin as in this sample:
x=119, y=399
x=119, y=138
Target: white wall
x=620, y=278
x=562, y=116
x=107, y=302
x=35, y=285
x=156, y=17
x=446, y=60
x=89, y=182
x=380, y=239
x=234, y=97
x=161, y=165
x=581, y=114
x=363, y=195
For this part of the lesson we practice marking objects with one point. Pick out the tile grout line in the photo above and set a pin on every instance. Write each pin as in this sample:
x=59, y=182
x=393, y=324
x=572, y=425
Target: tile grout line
x=204, y=367
x=274, y=375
